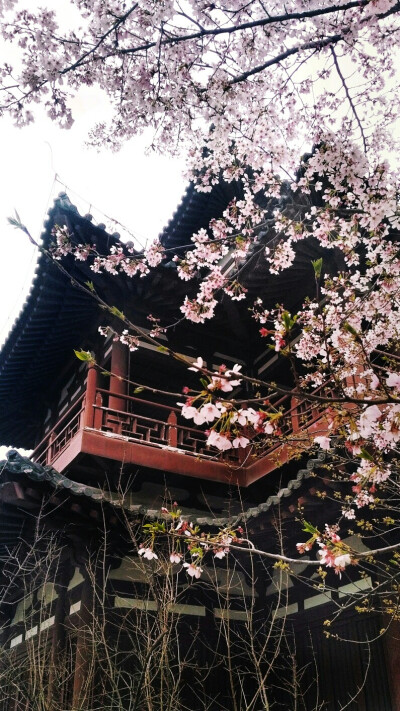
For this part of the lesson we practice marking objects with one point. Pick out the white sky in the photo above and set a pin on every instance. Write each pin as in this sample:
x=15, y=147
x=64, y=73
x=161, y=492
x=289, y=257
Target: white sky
x=140, y=191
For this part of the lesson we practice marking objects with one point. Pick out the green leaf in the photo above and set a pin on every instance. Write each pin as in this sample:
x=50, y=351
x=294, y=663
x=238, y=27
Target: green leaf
x=364, y=454
x=162, y=349
x=17, y=223
x=116, y=312
x=139, y=389
x=86, y=356
x=350, y=329
x=90, y=285
x=13, y=222
x=317, y=265
x=286, y=320
x=309, y=528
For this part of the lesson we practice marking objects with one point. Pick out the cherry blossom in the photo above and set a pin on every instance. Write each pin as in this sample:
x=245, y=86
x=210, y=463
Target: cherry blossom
x=175, y=557
x=333, y=553
x=324, y=442
x=193, y=570
x=240, y=442
x=148, y=553
x=393, y=381
x=242, y=106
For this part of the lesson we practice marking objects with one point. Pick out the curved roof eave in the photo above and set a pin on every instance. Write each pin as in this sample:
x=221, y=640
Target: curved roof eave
x=17, y=464
x=50, y=320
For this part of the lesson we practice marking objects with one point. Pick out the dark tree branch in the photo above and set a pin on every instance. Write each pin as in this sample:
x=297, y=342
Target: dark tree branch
x=349, y=98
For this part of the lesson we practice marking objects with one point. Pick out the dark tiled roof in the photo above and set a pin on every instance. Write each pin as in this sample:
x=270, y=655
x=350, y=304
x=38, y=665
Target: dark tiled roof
x=195, y=211
x=20, y=466
x=47, y=329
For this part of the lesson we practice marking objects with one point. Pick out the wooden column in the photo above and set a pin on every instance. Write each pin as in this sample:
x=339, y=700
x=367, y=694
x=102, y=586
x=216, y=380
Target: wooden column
x=49, y=454
x=90, y=397
x=172, y=429
x=57, y=668
x=392, y=649
x=295, y=414
x=120, y=370
x=84, y=648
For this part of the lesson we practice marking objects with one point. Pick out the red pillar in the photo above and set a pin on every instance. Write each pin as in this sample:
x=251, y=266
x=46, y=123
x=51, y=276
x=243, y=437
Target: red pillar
x=90, y=398
x=172, y=429
x=120, y=370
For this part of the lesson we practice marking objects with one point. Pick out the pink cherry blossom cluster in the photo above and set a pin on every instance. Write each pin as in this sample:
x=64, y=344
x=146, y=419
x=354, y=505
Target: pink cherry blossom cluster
x=333, y=553
x=234, y=427
x=128, y=339
x=117, y=261
x=187, y=541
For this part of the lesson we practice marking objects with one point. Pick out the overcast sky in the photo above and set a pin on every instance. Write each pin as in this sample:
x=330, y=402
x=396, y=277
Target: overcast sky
x=137, y=190
x=140, y=191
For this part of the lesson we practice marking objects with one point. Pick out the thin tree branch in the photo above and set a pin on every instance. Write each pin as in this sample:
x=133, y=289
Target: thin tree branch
x=349, y=98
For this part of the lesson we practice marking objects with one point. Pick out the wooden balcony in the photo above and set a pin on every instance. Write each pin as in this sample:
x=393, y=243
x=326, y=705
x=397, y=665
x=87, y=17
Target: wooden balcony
x=132, y=430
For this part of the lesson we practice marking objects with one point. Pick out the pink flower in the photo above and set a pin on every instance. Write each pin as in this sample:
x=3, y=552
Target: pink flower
x=327, y=557
x=209, y=412
x=221, y=553
x=393, y=381
x=193, y=570
x=251, y=416
x=240, y=442
x=368, y=420
x=374, y=382
x=175, y=557
x=147, y=553
x=349, y=513
x=341, y=561
x=302, y=547
x=219, y=441
x=218, y=383
x=188, y=411
x=324, y=442
x=239, y=417
x=197, y=365
x=235, y=370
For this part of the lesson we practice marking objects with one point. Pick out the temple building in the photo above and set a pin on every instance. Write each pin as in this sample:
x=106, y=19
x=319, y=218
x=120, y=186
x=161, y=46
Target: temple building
x=86, y=623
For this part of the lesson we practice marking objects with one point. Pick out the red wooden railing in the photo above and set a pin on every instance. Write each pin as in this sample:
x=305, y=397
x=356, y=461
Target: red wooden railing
x=155, y=424
x=58, y=438
x=138, y=421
